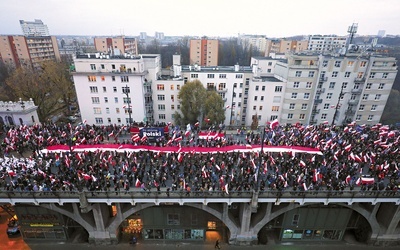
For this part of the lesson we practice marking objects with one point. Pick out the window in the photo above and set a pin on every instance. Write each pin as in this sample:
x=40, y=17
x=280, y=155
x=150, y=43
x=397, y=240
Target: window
x=124, y=79
x=260, y=108
x=222, y=76
x=99, y=120
x=241, y=85
x=273, y=117
x=350, y=63
x=290, y=116
x=194, y=75
x=337, y=63
x=210, y=85
x=278, y=88
x=161, y=107
x=356, y=86
x=347, y=74
x=385, y=75
x=365, y=97
x=119, y=120
x=107, y=110
x=106, y=99
x=172, y=106
x=178, y=87
x=344, y=85
x=361, y=108
x=160, y=86
x=96, y=110
x=372, y=75
x=93, y=89
x=381, y=86
x=304, y=106
x=257, y=87
x=115, y=89
x=306, y=96
x=239, y=104
x=116, y=99
x=221, y=86
x=335, y=74
x=178, y=106
x=161, y=97
x=109, y=120
x=324, y=63
x=373, y=107
x=93, y=66
x=308, y=85
x=103, y=78
x=294, y=95
x=254, y=107
x=323, y=116
x=240, y=95
x=302, y=116
x=377, y=97
x=113, y=78
x=210, y=75
x=126, y=90
x=275, y=108
x=255, y=98
x=102, y=66
x=172, y=87
x=262, y=98
x=104, y=89
x=311, y=74
x=239, y=76
x=358, y=117
x=91, y=78
x=370, y=117
x=363, y=64
x=360, y=75
x=172, y=98
x=291, y=106
x=276, y=99
x=298, y=74
x=263, y=88
x=95, y=100
x=332, y=85
x=161, y=116
x=173, y=219
x=326, y=106
x=296, y=85
x=329, y=96
x=368, y=86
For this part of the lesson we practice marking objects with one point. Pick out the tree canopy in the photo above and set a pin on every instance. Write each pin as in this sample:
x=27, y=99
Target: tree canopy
x=50, y=88
x=214, y=107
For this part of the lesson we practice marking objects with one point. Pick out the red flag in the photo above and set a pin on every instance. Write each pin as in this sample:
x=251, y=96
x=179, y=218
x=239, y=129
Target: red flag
x=180, y=157
x=274, y=124
x=135, y=137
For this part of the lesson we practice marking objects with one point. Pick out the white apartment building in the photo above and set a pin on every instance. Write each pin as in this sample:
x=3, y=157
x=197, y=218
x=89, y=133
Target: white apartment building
x=326, y=43
x=306, y=88
x=106, y=85
x=34, y=28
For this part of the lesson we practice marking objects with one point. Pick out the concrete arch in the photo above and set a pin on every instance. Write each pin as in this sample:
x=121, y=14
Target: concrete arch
x=76, y=216
x=362, y=211
x=121, y=216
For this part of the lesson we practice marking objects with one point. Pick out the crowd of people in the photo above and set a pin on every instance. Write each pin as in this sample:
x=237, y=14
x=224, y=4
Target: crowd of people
x=352, y=156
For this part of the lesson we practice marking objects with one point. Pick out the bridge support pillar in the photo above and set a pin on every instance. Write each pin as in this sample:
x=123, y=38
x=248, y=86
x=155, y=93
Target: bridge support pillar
x=394, y=222
x=246, y=236
x=100, y=234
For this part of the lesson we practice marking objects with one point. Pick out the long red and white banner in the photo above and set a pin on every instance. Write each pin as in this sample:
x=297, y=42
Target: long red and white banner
x=201, y=150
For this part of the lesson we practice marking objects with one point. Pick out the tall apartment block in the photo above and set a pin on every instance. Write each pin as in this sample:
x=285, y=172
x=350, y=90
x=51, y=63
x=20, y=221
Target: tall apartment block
x=278, y=46
x=34, y=28
x=326, y=43
x=204, y=52
x=20, y=51
x=116, y=45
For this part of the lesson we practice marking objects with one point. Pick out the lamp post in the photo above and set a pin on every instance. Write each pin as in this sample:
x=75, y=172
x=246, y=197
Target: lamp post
x=261, y=156
x=337, y=105
x=126, y=92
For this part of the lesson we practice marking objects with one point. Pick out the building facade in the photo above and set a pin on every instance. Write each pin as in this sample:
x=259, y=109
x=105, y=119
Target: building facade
x=34, y=28
x=18, y=113
x=326, y=43
x=274, y=46
x=28, y=51
x=116, y=45
x=204, y=52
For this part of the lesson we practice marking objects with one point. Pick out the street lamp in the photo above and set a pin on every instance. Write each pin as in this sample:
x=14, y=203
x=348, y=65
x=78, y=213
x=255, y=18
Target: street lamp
x=337, y=105
x=126, y=92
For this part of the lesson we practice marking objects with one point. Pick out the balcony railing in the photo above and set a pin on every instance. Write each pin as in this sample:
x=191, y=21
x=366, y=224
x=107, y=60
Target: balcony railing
x=317, y=101
x=323, y=79
x=356, y=91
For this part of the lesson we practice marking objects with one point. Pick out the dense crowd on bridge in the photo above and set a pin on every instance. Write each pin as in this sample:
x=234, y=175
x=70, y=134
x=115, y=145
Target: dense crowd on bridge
x=362, y=156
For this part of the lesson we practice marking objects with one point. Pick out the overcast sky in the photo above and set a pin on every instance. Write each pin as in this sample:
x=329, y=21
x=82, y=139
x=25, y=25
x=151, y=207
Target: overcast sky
x=223, y=18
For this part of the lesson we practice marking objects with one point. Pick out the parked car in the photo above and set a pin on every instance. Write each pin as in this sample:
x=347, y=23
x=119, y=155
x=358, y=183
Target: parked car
x=13, y=227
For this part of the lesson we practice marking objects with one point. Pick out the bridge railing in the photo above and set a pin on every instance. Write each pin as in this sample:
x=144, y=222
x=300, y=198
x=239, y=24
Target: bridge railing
x=139, y=193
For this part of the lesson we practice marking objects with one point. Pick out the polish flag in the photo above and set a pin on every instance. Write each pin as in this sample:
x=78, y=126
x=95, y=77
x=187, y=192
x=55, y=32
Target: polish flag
x=274, y=124
x=135, y=138
x=248, y=146
x=187, y=133
x=207, y=120
x=111, y=134
x=347, y=148
x=227, y=106
x=302, y=163
x=348, y=178
x=253, y=164
x=137, y=183
x=305, y=186
x=197, y=124
x=178, y=139
x=217, y=167
x=358, y=182
x=315, y=176
x=272, y=160
x=226, y=188
x=367, y=180
x=144, y=138
x=180, y=157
